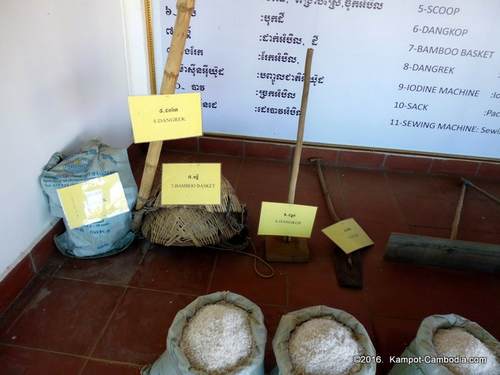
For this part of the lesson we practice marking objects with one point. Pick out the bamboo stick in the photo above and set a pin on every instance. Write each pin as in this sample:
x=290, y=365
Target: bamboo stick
x=300, y=132
x=170, y=74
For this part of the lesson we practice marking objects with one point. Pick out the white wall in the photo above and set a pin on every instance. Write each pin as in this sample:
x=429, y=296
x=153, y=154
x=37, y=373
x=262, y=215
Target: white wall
x=63, y=80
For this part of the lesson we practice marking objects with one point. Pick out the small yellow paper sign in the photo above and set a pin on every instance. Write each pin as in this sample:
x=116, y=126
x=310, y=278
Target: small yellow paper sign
x=282, y=219
x=348, y=235
x=93, y=200
x=191, y=184
x=164, y=117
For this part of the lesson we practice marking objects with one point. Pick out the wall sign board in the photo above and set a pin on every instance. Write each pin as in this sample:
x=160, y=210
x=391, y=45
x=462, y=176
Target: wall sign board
x=405, y=75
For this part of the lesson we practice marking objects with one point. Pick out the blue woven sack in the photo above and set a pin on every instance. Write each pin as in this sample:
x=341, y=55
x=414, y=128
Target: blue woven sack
x=108, y=236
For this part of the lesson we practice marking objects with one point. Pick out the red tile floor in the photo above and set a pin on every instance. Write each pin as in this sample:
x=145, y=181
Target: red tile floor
x=111, y=316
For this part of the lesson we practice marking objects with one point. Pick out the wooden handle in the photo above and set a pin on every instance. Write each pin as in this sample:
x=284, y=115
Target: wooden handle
x=170, y=74
x=326, y=192
x=300, y=132
x=458, y=213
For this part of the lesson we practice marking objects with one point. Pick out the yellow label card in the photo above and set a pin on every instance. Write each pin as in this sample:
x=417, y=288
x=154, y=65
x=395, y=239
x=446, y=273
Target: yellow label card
x=93, y=200
x=191, y=184
x=282, y=219
x=348, y=235
x=164, y=117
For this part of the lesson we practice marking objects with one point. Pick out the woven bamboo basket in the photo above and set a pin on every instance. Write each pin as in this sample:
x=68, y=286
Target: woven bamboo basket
x=199, y=226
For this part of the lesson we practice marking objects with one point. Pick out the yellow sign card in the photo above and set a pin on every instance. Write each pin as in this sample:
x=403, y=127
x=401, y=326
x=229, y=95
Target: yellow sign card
x=164, y=117
x=282, y=219
x=93, y=200
x=191, y=184
x=348, y=235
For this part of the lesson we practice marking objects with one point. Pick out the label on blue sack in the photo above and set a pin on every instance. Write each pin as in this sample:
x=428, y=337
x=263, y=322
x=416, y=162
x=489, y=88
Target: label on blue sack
x=93, y=200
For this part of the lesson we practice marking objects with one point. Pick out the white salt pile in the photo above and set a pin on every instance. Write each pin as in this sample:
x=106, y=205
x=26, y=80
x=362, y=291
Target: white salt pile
x=323, y=346
x=217, y=338
x=456, y=342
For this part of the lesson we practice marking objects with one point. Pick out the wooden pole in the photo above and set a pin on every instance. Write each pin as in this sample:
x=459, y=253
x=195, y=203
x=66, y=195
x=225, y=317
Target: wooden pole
x=300, y=132
x=148, y=18
x=170, y=74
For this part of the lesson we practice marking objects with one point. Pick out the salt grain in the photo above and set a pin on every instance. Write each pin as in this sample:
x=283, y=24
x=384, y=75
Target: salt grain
x=456, y=342
x=323, y=346
x=218, y=338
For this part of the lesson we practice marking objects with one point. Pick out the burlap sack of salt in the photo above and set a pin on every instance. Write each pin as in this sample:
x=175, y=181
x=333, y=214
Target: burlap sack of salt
x=175, y=362
x=423, y=345
x=291, y=321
